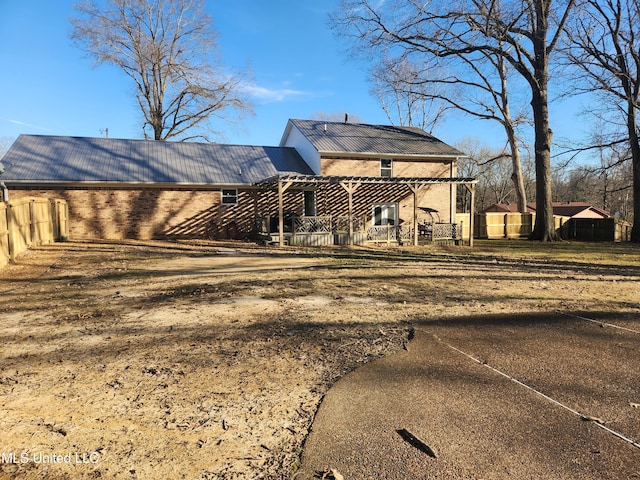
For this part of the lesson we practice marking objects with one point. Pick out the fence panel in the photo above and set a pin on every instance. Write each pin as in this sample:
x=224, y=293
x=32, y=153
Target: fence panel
x=5, y=253
x=495, y=225
x=598, y=230
x=518, y=225
x=19, y=226
x=464, y=222
x=28, y=222
x=60, y=220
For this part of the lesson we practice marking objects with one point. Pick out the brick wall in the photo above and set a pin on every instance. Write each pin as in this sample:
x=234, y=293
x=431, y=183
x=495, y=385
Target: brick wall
x=370, y=167
x=435, y=196
x=151, y=213
x=154, y=213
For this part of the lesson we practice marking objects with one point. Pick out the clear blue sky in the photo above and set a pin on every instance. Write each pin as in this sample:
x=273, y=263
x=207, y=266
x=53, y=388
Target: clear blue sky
x=49, y=87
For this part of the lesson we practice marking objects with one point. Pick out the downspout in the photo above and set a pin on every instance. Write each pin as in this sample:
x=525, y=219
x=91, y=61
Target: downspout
x=4, y=191
x=452, y=192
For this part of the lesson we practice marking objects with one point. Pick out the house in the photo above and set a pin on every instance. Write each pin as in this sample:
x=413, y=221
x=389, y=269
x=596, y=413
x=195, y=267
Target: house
x=560, y=209
x=331, y=177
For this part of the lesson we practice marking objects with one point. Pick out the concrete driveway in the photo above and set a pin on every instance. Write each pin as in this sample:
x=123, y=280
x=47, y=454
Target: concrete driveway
x=523, y=397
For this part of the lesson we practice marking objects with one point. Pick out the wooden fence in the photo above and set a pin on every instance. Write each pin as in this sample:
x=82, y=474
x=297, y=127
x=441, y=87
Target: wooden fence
x=495, y=225
x=597, y=230
x=28, y=222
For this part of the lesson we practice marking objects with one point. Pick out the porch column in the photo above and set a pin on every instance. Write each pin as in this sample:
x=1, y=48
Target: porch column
x=414, y=188
x=350, y=188
x=472, y=209
x=282, y=187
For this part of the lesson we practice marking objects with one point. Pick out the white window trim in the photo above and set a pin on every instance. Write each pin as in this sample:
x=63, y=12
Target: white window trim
x=389, y=169
x=228, y=196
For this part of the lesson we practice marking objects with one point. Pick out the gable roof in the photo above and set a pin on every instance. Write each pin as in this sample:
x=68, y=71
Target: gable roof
x=572, y=209
x=562, y=209
x=53, y=159
x=380, y=140
x=509, y=208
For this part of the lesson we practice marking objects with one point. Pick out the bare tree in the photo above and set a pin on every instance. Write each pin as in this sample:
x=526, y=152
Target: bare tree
x=336, y=117
x=478, y=88
x=521, y=33
x=605, y=46
x=167, y=48
x=492, y=169
x=5, y=144
x=405, y=97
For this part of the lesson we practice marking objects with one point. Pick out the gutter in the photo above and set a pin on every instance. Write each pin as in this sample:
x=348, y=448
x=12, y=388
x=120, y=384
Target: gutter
x=395, y=156
x=35, y=184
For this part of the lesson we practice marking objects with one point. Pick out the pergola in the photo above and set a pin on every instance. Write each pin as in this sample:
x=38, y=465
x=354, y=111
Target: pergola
x=284, y=181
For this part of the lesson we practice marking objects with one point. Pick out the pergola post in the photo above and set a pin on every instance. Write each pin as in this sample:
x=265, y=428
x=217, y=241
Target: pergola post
x=282, y=187
x=414, y=188
x=350, y=187
x=472, y=190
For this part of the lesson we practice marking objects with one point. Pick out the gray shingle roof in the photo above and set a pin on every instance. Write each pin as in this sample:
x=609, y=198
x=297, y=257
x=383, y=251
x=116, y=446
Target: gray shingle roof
x=42, y=159
x=372, y=139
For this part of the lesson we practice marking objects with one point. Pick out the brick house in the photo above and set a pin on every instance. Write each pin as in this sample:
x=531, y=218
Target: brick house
x=327, y=173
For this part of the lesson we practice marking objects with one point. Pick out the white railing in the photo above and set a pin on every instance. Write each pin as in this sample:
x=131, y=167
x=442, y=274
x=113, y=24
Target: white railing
x=312, y=224
x=341, y=223
x=443, y=231
x=383, y=233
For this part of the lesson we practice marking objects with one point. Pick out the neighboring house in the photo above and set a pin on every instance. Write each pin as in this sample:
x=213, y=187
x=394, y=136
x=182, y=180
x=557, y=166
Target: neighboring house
x=322, y=171
x=560, y=209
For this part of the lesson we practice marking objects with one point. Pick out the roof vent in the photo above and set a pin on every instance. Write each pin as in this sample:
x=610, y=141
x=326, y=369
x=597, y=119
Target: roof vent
x=346, y=118
x=325, y=128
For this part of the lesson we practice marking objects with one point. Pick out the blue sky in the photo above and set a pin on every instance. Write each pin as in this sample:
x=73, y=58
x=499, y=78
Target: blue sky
x=300, y=68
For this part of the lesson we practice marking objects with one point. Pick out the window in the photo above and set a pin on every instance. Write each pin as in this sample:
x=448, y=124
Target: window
x=385, y=214
x=386, y=167
x=229, y=197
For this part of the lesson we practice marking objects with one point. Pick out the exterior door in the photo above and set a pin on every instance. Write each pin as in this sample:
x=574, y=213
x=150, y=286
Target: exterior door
x=310, y=204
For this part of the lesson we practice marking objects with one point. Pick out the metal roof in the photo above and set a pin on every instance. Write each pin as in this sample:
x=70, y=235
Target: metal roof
x=55, y=159
x=380, y=140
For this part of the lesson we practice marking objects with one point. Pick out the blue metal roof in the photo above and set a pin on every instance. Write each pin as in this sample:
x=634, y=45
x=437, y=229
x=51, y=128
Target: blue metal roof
x=56, y=159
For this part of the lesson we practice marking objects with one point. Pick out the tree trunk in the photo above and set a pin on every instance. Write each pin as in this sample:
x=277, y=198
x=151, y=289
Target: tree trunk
x=516, y=176
x=634, y=143
x=544, y=228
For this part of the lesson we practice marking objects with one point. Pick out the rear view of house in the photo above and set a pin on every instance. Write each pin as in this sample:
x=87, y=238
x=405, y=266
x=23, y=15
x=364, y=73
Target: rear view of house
x=337, y=179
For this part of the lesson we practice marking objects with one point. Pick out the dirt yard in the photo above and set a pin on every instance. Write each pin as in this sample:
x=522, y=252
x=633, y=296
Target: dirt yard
x=127, y=361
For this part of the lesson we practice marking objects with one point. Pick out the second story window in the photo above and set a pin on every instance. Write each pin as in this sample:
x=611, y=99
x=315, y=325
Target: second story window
x=386, y=167
x=229, y=197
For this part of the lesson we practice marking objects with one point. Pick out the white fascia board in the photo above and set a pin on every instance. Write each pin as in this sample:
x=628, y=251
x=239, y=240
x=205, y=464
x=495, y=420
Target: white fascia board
x=396, y=156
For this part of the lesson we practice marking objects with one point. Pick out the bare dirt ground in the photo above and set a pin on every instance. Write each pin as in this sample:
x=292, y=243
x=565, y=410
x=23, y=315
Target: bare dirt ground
x=126, y=361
